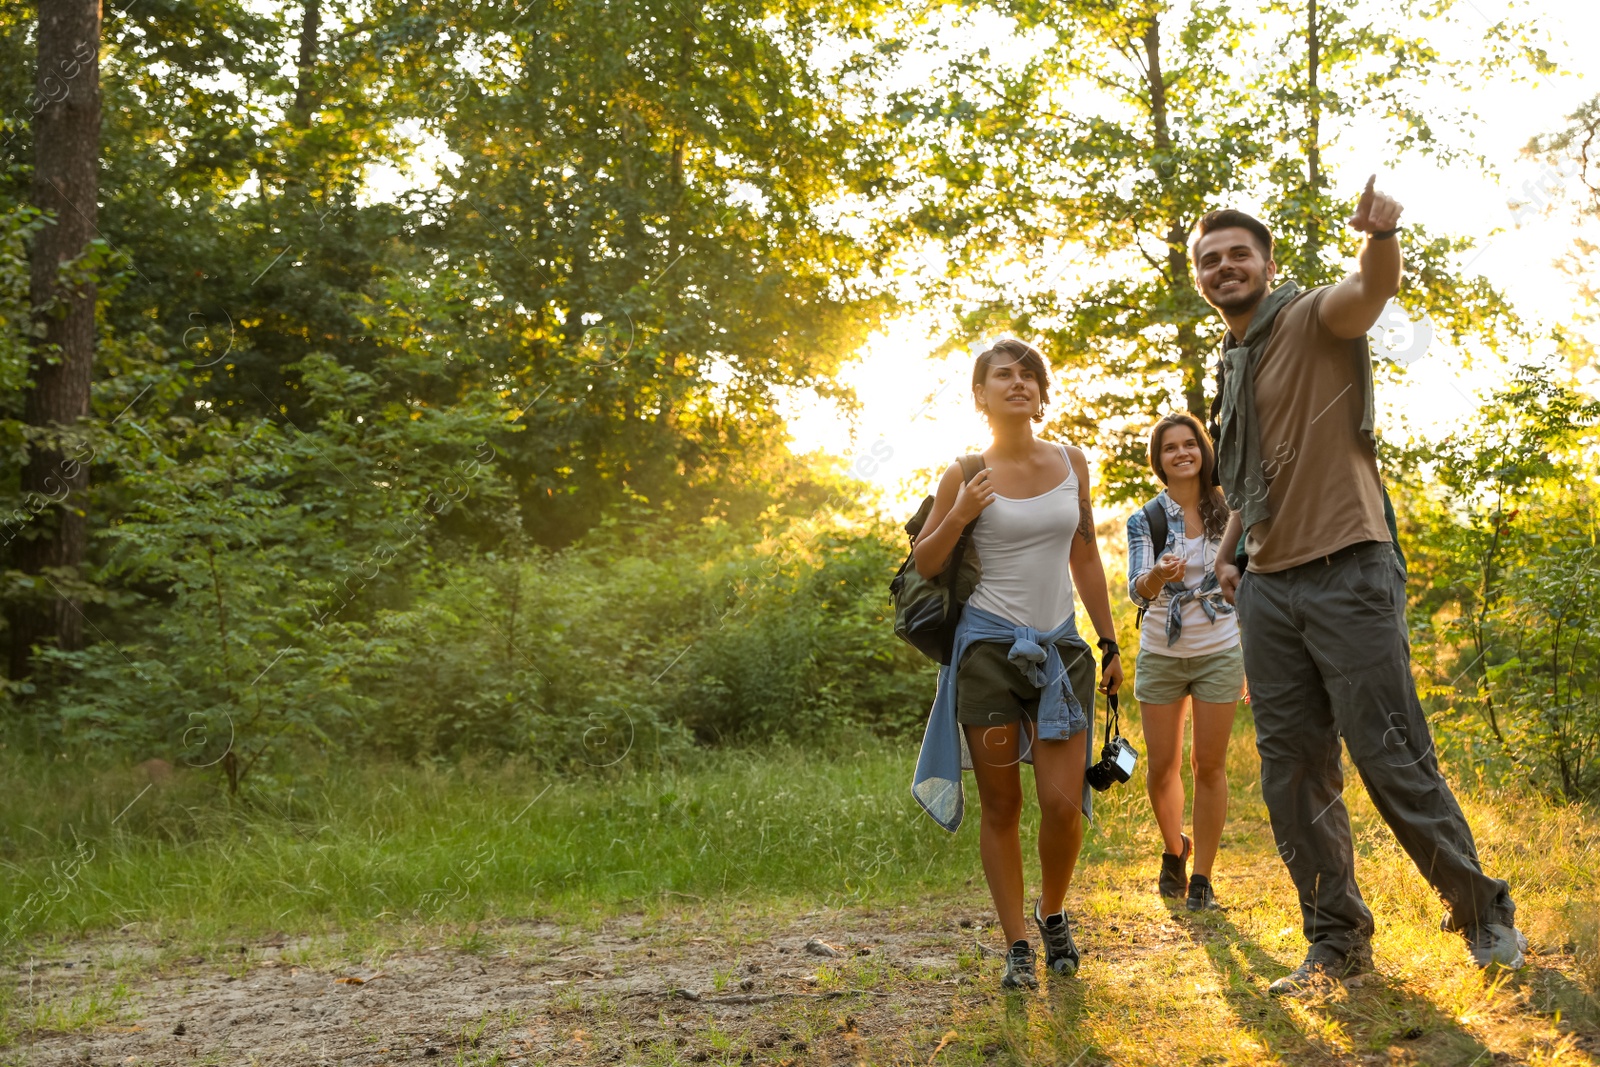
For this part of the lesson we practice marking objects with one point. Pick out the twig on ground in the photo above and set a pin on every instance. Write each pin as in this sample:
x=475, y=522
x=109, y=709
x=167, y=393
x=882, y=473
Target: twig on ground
x=354, y=979
x=759, y=998
x=753, y=998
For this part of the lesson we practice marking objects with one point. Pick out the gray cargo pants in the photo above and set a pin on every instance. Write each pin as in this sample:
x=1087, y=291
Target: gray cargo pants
x=1326, y=654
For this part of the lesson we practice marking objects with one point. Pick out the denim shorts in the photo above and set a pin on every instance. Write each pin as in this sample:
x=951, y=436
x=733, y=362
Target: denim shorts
x=990, y=691
x=1217, y=678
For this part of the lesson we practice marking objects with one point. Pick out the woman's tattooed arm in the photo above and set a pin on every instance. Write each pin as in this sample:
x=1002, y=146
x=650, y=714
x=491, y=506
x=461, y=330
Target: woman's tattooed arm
x=1085, y=520
x=1089, y=573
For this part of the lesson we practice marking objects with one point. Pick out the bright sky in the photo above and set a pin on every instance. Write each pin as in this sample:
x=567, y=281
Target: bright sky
x=916, y=412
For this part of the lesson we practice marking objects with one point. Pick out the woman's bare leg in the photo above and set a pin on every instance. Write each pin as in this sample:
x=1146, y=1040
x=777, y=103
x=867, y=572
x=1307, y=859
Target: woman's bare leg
x=994, y=764
x=1058, y=778
x=1213, y=724
x=1163, y=737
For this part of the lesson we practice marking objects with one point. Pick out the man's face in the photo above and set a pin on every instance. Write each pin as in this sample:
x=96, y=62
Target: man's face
x=1232, y=271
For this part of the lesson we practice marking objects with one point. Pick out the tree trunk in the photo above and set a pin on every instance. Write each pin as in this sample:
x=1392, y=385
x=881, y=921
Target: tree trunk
x=1313, y=135
x=66, y=186
x=1487, y=595
x=1191, y=355
x=306, y=65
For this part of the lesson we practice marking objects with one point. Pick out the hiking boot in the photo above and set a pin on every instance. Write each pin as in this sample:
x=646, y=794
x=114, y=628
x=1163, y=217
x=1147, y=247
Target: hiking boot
x=1496, y=945
x=1174, y=880
x=1060, y=954
x=1201, y=898
x=1322, y=971
x=1019, y=967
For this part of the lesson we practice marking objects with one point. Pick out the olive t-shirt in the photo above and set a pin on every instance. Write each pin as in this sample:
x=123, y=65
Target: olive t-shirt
x=1320, y=470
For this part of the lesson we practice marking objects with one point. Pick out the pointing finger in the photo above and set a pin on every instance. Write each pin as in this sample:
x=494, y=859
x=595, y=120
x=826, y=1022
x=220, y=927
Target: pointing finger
x=1362, y=219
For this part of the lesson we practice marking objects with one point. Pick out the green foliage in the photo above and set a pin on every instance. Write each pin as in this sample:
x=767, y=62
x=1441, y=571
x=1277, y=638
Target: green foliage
x=625, y=648
x=639, y=215
x=265, y=609
x=496, y=465
x=1501, y=523
x=17, y=221
x=327, y=430
x=1093, y=150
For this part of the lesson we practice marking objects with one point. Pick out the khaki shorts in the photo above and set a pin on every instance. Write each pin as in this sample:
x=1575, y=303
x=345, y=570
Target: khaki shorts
x=1216, y=679
x=992, y=692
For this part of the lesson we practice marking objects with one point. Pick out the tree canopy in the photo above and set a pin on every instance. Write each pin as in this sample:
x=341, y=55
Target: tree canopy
x=438, y=350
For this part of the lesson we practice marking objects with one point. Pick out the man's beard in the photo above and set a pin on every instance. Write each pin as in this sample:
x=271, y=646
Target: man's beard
x=1241, y=301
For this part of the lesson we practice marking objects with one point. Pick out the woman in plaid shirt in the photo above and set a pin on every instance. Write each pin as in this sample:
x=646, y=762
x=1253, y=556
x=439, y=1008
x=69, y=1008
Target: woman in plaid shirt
x=1188, y=653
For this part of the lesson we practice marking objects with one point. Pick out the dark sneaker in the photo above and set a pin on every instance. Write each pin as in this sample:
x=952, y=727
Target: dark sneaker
x=1174, y=880
x=1322, y=972
x=1019, y=967
x=1496, y=945
x=1201, y=898
x=1060, y=954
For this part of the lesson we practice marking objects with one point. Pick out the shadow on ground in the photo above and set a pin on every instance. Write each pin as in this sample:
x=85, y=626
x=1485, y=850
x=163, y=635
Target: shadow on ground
x=1373, y=1018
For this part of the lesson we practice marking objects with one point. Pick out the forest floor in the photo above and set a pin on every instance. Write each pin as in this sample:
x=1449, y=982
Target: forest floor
x=913, y=984
x=488, y=914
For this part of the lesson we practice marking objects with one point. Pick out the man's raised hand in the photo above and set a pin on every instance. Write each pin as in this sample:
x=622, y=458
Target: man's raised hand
x=1351, y=307
x=1377, y=212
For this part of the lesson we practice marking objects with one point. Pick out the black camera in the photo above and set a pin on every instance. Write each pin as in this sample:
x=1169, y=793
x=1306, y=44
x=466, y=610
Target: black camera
x=1117, y=757
x=1116, y=764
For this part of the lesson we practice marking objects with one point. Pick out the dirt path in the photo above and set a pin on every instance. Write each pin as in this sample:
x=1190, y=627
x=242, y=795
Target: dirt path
x=915, y=984
x=666, y=992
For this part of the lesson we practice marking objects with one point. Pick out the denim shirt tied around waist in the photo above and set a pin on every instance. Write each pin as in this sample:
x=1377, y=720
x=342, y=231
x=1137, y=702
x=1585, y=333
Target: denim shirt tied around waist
x=937, y=782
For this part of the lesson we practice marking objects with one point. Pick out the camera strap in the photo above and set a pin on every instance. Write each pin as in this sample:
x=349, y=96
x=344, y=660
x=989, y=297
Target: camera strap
x=1113, y=718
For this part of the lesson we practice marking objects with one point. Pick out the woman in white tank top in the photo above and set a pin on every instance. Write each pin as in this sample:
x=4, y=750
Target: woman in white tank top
x=1034, y=535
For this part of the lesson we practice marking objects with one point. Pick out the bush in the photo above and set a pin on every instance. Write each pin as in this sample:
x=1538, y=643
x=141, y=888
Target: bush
x=643, y=639
x=1499, y=523
x=635, y=644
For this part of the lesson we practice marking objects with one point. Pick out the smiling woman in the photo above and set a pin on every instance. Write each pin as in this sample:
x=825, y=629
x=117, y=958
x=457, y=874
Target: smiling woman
x=1189, y=655
x=1020, y=682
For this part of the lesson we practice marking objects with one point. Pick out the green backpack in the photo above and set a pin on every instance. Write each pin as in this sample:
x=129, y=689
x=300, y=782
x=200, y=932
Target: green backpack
x=926, y=610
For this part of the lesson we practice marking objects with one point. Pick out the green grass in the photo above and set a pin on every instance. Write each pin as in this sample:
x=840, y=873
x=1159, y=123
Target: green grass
x=361, y=847
x=96, y=1006
x=355, y=846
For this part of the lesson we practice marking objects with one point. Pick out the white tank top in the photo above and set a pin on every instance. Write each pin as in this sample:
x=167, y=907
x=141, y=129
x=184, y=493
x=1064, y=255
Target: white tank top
x=1023, y=547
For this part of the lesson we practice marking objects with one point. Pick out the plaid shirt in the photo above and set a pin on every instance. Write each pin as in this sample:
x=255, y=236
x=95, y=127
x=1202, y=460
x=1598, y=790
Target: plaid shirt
x=1142, y=555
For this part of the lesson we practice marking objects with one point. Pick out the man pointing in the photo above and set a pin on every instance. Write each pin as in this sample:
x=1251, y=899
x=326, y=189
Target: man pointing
x=1321, y=597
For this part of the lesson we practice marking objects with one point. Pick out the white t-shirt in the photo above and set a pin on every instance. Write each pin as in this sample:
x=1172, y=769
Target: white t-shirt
x=1200, y=636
